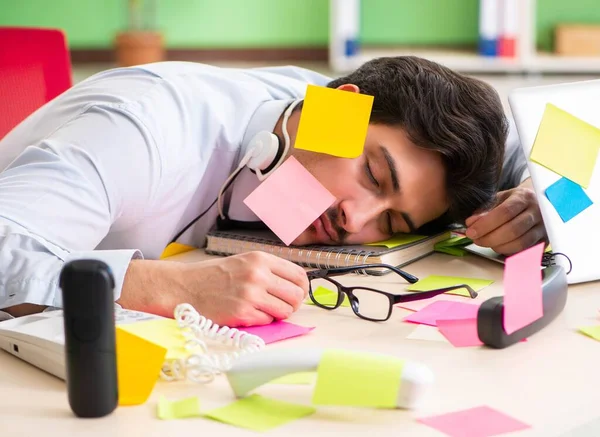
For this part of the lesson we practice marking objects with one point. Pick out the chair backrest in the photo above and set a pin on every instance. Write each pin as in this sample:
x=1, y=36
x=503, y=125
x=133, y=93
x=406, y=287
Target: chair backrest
x=35, y=67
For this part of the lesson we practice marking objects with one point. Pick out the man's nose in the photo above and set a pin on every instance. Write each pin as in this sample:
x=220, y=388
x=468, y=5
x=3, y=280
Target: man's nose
x=356, y=214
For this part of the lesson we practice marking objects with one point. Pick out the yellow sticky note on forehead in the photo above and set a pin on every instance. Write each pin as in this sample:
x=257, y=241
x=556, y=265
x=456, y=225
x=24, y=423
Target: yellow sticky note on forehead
x=334, y=122
x=566, y=145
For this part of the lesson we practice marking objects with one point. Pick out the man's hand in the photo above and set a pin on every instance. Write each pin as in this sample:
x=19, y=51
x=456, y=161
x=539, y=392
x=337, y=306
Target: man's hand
x=514, y=224
x=242, y=290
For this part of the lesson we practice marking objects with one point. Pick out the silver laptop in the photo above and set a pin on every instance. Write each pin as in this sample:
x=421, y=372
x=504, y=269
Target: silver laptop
x=579, y=237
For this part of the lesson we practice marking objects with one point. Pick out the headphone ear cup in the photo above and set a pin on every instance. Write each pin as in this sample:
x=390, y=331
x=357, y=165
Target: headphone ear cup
x=265, y=145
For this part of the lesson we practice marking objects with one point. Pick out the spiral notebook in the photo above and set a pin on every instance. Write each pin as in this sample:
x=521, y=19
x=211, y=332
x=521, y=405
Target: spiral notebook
x=232, y=242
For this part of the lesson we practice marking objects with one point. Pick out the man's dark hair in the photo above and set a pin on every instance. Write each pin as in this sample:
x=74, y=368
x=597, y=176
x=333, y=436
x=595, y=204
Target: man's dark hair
x=459, y=117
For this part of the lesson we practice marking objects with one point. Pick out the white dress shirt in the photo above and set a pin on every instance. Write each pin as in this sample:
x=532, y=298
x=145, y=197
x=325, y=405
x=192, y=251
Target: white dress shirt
x=120, y=163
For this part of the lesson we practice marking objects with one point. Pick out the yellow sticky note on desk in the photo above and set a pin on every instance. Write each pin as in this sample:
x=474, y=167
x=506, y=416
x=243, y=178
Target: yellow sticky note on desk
x=398, y=240
x=259, y=413
x=175, y=249
x=334, y=122
x=138, y=366
x=167, y=410
x=566, y=145
x=434, y=282
x=163, y=332
x=327, y=297
x=358, y=379
x=591, y=331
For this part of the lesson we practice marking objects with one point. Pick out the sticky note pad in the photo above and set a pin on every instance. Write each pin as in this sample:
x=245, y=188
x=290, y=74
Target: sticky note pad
x=289, y=200
x=523, y=302
x=138, y=366
x=566, y=145
x=434, y=282
x=460, y=332
x=357, y=379
x=475, y=422
x=163, y=332
x=398, y=240
x=591, y=331
x=327, y=297
x=175, y=249
x=167, y=410
x=277, y=331
x=443, y=309
x=334, y=122
x=568, y=198
x=453, y=246
x=259, y=413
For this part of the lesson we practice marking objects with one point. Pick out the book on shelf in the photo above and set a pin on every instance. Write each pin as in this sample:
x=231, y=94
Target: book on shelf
x=399, y=251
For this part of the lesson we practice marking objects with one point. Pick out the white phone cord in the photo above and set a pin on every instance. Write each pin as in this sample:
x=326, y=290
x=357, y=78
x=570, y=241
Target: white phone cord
x=202, y=367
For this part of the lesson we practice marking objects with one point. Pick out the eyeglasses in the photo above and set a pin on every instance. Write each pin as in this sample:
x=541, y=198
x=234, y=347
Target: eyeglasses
x=367, y=303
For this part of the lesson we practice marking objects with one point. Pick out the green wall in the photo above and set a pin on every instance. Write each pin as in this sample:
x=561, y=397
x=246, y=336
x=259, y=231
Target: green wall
x=281, y=23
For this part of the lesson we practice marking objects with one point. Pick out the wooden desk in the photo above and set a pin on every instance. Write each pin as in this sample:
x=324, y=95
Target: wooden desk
x=549, y=382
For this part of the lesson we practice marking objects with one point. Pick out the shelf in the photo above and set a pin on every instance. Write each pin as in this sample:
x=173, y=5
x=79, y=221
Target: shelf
x=549, y=63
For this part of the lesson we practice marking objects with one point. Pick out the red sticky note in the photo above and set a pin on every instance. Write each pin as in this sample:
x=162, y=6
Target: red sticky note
x=289, y=200
x=460, y=332
x=277, y=331
x=523, y=302
x=443, y=309
x=474, y=422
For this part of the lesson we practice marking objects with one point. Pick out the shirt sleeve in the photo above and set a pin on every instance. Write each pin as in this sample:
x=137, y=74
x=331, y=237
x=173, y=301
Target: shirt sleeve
x=514, y=168
x=60, y=198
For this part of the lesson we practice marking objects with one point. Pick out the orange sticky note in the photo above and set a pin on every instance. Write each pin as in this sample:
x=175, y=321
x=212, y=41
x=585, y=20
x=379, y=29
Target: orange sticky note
x=334, y=122
x=138, y=367
x=523, y=301
x=289, y=200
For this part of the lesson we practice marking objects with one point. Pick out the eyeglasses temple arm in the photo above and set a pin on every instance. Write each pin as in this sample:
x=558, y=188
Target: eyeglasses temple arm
x=343, y=270
x=432, y=293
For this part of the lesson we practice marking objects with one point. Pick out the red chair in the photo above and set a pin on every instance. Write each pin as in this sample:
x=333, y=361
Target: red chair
x=35, y=67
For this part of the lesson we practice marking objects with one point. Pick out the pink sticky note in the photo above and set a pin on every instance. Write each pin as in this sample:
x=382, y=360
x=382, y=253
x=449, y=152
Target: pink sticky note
x=443, y=309
x=277, y=331
x=417, y=305
x=523, y=302
x=460, y=332
x=474, y=422
x=289, y=200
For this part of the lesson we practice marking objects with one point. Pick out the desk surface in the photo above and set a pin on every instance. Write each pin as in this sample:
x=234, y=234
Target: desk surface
x=549, y=382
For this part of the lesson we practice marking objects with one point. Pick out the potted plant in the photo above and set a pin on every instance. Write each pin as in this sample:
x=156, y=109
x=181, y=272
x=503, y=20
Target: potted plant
x=141, y=42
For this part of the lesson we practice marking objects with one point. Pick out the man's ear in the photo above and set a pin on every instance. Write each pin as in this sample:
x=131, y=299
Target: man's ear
x=349, y=87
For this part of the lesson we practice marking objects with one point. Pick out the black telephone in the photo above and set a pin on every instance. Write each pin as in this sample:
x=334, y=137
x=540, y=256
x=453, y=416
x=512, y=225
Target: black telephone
x=490, y=326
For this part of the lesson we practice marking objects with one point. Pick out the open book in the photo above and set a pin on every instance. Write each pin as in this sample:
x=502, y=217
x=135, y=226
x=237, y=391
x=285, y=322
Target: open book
x=398, y=251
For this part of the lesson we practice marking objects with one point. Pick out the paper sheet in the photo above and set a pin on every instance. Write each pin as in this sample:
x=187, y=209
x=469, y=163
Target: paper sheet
x=327, y=297
x=163, y=332
x=359, y=379
x=289, y=200
x=398, y=240
x=259, y=413
x=443, y=310
x=138, y=366
x=461, y=332
x=523, y=302
x=591, y=331
x=434, y=282
x=566, y=145
x=568, y=198
x=168, y=410
x=475, y=422
x=277, y=331
x=425, y=332
x=334, y=122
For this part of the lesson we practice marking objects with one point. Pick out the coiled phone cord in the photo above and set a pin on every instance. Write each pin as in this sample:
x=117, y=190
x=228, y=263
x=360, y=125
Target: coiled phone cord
x=200, y=366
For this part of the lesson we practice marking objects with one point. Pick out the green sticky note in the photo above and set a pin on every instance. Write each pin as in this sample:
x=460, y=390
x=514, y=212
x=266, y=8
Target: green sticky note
x=259, y=413
x=327, y=297
x=434, y=282
x=358, y=379
x=168, y=410
x=591, y=331
x=398, y=240
x=300, y=378
x=458, y=240
x=566, y=145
